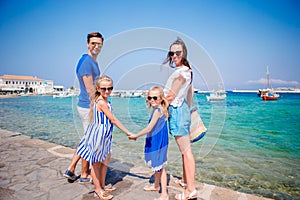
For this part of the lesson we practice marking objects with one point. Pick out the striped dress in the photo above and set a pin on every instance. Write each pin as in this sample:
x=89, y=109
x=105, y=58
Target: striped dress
x=96, y=142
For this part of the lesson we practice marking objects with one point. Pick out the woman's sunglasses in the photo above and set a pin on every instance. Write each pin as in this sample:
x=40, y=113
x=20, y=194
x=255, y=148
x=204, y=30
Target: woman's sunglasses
x=108, y=89
x=172, y=53
x=154, y=98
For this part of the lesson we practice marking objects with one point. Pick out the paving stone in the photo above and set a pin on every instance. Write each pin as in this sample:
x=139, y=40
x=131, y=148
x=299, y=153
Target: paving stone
x=33, y=169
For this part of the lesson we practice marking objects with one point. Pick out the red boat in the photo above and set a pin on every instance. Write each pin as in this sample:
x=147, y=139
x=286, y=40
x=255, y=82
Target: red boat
x=268, y=96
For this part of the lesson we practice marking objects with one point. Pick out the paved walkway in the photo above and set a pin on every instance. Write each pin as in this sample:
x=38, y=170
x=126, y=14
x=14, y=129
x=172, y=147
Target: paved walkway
x=33, y=169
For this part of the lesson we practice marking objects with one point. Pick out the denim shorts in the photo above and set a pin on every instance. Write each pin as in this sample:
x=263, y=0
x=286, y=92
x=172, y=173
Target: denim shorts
x=179, y=120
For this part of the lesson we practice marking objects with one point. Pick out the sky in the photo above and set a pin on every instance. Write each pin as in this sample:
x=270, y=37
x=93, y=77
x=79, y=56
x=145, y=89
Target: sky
x=46, y=38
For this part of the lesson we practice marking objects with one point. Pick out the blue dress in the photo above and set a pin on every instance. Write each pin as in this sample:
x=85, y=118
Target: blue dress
x=96, y=142
x=156, y=146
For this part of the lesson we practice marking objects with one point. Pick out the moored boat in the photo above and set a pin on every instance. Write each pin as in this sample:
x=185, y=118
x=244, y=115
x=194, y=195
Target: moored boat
x=218, y=95
x=268, y=94
x=64, y=95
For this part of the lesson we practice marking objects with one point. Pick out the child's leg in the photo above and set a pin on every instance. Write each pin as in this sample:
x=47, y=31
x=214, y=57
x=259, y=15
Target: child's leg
x=103, y=170
x=163, y=179
x=157, y=179
x=96, y=176
x=99, y=172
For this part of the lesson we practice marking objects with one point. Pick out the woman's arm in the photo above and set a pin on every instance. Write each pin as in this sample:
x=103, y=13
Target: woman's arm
x=190, y=96
x=176, y=85
x=155, y=117
x=102, y=106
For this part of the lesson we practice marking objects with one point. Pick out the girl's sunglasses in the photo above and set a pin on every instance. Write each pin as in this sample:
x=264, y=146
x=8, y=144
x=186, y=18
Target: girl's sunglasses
x=108, y=89
x=154, y=98
x=172, y=53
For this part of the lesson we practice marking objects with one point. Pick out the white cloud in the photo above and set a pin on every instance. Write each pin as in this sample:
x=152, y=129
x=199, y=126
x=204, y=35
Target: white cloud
x=274, y=82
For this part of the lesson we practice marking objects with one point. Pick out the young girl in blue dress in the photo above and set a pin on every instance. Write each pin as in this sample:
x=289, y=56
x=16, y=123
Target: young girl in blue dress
x=95, y=146
x=156, y=145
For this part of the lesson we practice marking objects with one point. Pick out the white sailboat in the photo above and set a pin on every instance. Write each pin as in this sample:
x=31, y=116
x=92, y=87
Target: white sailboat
x=217, y=95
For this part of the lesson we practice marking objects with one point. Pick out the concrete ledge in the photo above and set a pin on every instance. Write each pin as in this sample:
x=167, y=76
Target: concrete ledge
x=33, y=169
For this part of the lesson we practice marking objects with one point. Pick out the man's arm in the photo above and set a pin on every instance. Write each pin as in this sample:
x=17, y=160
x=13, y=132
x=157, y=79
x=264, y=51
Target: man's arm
x=89, y=85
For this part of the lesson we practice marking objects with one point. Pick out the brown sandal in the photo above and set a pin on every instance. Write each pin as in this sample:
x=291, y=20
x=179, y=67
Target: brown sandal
x=192, y=195
x=160, y=198
x=103, y=195
x=109, y=188
x=150, y=188
x=180, y=183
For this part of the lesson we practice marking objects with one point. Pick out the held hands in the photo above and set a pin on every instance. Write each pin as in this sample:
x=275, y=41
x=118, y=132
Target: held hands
x=132, y=137
x=129, y=134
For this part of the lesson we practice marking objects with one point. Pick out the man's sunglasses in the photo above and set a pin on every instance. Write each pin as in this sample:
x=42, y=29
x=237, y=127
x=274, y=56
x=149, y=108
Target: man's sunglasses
x=96, y=43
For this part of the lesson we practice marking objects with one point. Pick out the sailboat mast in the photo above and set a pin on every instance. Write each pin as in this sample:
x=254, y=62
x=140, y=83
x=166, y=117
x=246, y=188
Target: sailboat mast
x=268, y=77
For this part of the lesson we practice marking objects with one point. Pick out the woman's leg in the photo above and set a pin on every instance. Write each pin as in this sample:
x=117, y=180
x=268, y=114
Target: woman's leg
x=188, y=161
x=183, y=180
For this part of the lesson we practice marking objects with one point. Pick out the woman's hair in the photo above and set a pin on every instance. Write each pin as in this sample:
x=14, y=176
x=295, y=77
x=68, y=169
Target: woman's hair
x=97, y=94
x=164, y=102
x=184, y=60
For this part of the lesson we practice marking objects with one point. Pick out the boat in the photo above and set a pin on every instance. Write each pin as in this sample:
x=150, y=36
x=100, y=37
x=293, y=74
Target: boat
x=268, y=94
x=64, y=95
x=217, y=95
x=131, y=94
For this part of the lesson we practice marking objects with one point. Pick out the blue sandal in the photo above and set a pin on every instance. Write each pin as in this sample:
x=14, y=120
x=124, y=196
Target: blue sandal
x=84, y=180
x=70, y=175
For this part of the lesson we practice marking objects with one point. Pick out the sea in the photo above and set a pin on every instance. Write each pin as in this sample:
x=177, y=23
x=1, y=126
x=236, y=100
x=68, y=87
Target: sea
x=251, y=145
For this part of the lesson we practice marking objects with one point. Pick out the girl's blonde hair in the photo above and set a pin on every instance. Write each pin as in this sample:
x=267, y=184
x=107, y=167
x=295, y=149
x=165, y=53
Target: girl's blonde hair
x=164, y=102
x=97, y=94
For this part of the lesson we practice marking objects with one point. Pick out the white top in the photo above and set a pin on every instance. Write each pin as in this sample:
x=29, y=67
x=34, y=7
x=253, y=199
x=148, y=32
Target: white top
x=185, y=72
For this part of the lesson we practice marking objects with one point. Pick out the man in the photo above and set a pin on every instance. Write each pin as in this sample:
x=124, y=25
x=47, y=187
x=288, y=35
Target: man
x=87, y=70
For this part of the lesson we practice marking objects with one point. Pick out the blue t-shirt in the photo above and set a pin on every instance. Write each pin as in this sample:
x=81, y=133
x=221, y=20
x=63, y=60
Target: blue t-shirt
x=86, y=66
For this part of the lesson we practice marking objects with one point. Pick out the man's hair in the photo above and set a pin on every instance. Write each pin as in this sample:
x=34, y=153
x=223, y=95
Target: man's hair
x=94, y=34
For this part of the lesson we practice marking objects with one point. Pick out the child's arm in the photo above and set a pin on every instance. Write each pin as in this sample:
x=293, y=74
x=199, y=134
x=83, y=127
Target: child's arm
x=155, y=117
x=102, y=106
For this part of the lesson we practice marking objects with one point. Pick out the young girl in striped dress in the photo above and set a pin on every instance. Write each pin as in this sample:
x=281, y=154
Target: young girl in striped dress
x=156, y=145
x=95, y=146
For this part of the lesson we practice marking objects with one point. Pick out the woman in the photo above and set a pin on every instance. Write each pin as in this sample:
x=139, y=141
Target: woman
x=179, y=92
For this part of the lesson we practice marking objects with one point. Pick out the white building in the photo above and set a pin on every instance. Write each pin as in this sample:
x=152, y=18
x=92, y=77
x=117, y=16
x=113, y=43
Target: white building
x=26, y=84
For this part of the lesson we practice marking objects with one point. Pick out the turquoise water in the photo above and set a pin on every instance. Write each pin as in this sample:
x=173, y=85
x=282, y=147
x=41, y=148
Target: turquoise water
x=251, y=145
